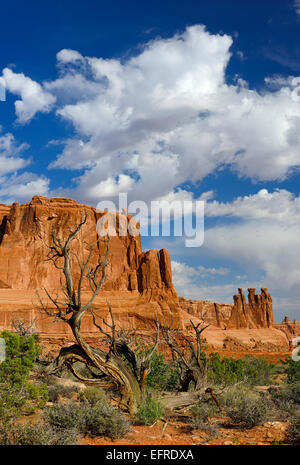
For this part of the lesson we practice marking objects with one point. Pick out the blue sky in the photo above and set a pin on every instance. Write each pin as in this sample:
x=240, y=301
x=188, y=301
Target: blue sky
x=165, y=100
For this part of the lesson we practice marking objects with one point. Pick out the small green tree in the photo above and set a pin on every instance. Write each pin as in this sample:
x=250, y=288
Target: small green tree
x=251, y=370
x=21, y=353
x=17, y=394
x=292, y=370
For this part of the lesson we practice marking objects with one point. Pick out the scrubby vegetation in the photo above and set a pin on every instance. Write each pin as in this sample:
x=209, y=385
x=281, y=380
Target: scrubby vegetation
x=93, y=395
x=96, y=420
x=244, y=406
x=61, y=423
x=292, y=370
x=293, y=431
x=286, y=398
x=200, y=414
x=57, y=391
x=250, y=370
x=17, y=393
x=40, y=434
x=150, y=410
x=164, y=375
x=75, y=412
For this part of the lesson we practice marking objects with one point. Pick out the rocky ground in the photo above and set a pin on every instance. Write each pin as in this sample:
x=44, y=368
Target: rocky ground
x=176, y=432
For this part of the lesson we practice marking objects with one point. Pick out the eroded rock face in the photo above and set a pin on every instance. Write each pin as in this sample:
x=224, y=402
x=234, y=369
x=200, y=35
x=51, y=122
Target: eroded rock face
x=254, y=314
x=26, y=229
x=138, y=284
x=215, y=314
x=289, y=327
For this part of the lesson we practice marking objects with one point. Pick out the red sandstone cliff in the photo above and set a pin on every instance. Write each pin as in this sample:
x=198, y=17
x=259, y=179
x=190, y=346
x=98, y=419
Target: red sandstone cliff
x=138, y=284
x=215, y=314
x=25, y=229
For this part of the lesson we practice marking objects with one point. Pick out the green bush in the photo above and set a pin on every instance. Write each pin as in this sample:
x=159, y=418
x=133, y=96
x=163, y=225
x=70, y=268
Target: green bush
x=17, y=395
x=244, y=407
x=56, y=390
x=21, y=353
x=93, y=395
x=103, y=420
x=163, y=376
x=96, y=420
x=251, y=370
x=293, y=431
x=150, y=410
x=200, y=415
x=292, y=369
x=287, y=397
x=38, y=434
x=61, y=416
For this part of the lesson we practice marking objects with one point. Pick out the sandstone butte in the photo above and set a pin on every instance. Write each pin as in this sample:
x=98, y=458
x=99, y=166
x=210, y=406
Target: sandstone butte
x=138, y=284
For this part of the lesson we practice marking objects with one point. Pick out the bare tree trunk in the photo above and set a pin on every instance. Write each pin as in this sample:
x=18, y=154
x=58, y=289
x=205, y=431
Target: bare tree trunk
x=72, y=311
x=111, y=366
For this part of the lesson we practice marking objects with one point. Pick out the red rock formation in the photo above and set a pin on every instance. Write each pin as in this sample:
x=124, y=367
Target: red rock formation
x=213, y=313
x=137, y=282
x=25, y=229
x=257, y=313
x=289, y=327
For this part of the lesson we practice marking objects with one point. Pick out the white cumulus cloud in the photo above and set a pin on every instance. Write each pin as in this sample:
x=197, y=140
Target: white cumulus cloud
x=10, y=155
x=167, y=116
x=33, y=97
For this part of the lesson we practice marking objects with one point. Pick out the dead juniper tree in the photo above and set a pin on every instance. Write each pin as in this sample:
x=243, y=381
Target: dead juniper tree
x=129, y=378
x=24, y=328
x=187, y=352
x=120, y=345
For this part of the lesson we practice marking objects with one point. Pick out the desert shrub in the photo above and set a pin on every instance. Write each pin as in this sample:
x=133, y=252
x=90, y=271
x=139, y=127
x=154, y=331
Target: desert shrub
x=17, y=394
x=223, y=371
x=62, y=416
x=248, y=412
x=53, y=393
x=287, y=397
x=21, y=353
x=251, y=370
x=244, y=406
x=163, y=375
x=292, y=370
x=150, y=410
x=293, y=431
x=200, y=415
x=93, y=395
x=56, y=390
x=257, y=370
x=103, y=420
x=98, y=419
x=38, y=434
